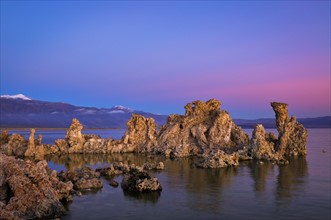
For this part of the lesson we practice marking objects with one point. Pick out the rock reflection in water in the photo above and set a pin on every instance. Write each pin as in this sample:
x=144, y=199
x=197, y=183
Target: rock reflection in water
x=260, y=173
x=291, y=178
x=74, y=161
x=146, y=197
x=204, y=186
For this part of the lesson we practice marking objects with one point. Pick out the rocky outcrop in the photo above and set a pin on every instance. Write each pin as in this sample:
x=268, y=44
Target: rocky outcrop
x=140, y=181
x=83, y=179
x=203, y=128
x=15, y=145
x=29, y=191
x=74, y=137
x=30, y=152
x=261, y=146
x=141, y=134
x=291, y=141
x=205, y=131
x=4, y=137
x=292, y=136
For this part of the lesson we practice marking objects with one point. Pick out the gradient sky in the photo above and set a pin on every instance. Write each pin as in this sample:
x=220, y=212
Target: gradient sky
x=158, y=56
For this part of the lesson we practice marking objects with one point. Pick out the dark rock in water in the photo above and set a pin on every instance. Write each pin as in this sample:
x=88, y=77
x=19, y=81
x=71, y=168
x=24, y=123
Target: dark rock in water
x=138, y=181
x=113, y=183
x=83, y=179
x=30, y=191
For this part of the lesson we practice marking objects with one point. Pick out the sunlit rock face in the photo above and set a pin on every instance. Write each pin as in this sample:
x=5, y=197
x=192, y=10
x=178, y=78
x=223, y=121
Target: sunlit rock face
x=203, y=128
x=291, y=141
x=14, y=144
x=205, y=131
x=30, y=191
x=74, y=137
x=292, y=138
x=261, y=146
x=141, y=134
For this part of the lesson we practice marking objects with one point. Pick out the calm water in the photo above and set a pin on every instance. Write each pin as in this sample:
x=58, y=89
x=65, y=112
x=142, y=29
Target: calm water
x=300, y=190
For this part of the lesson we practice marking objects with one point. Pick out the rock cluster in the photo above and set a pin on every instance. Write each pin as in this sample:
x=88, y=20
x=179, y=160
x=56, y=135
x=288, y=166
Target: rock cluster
x=140, y=181
x=83, y=179
x=29, y=191
x=291, y=141
x=119, y=168
x=205, y=131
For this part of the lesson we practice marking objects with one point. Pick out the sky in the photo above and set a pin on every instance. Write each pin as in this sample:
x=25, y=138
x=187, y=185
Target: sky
x=159, y=56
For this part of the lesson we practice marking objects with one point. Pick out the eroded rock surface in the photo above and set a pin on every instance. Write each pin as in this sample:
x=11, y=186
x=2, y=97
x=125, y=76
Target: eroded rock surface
x=292, y=138
x=141, y=134
x=140, y=181
x=203, y=128
x=83, y=179
x=75, y=137
x=218, y=159
x=29, y=191
x=205, y=131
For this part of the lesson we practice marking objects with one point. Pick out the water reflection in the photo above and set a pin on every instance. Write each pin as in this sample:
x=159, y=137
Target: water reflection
x=291, y=178
x=146, y=197
x=74, y=161
x=206, y=190
x=260, y=172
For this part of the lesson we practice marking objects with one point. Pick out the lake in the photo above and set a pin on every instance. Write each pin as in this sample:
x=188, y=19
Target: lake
x=253, y=190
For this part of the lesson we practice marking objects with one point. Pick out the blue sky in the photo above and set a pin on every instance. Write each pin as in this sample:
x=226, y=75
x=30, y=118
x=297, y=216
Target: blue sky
x=158, y=56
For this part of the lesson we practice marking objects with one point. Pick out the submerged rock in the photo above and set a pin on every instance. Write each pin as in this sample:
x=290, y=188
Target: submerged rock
x=29, y=191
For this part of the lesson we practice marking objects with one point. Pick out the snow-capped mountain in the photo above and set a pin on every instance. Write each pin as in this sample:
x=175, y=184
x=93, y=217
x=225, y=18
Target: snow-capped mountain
x=21, y=111
x=18, y=96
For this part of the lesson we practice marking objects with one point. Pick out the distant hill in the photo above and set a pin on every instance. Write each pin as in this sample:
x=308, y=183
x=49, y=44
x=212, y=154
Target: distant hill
x=318, y=122
x=20, y=111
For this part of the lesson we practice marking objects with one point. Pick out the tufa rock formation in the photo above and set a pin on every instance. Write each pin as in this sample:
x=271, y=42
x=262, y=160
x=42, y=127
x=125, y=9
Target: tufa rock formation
x=140, y=181
x=292, y=136
x=74, y=137
x=291, y=141
x=83, y=179
x=30, y=191
x=204, y=129
x=141, y=134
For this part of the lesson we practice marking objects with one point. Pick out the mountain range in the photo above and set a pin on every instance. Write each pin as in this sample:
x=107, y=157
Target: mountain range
x=19, y=111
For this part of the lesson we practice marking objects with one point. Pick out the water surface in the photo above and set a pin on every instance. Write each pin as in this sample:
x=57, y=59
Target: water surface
x=252, y=190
